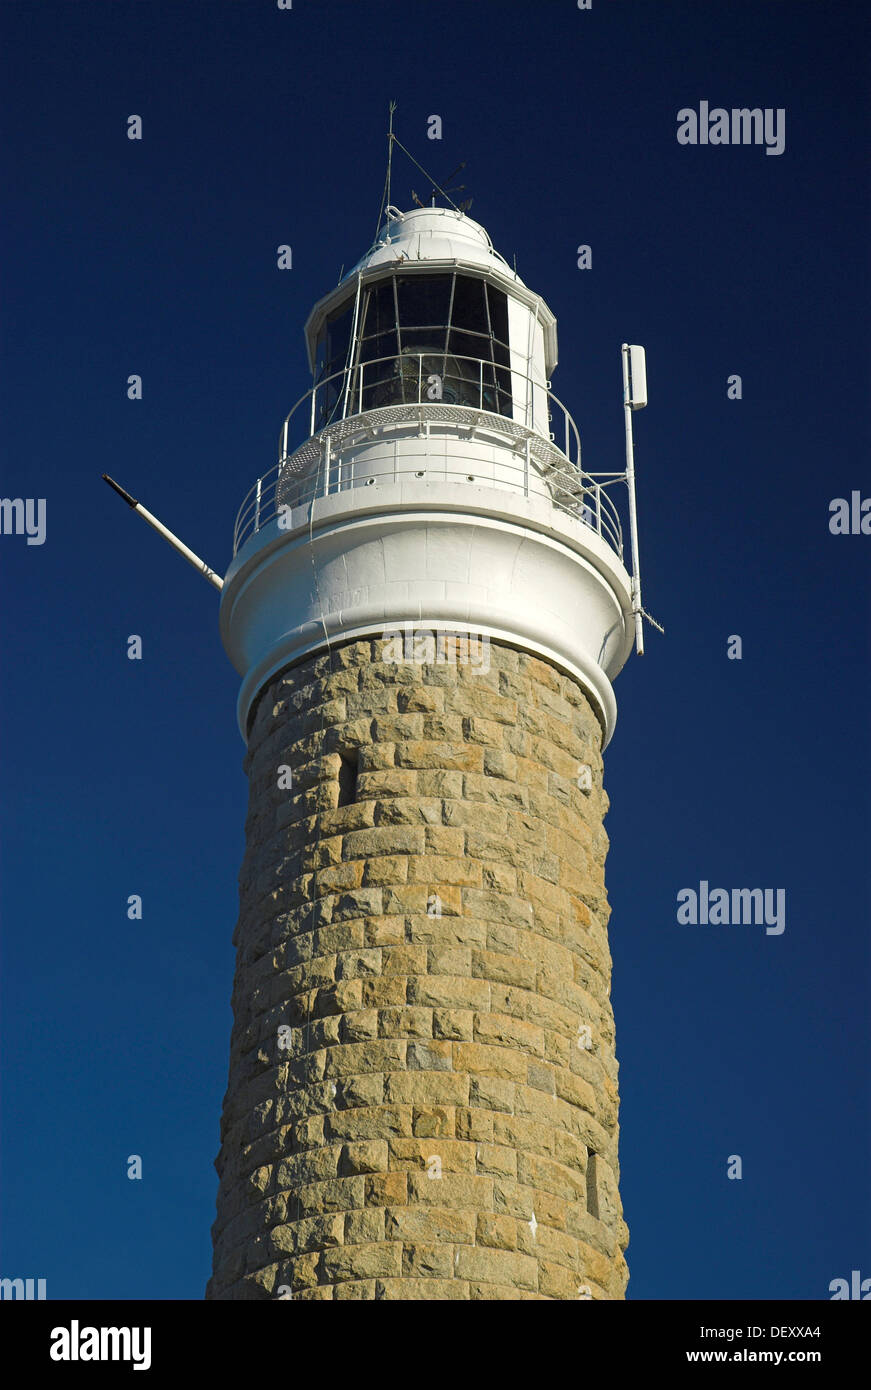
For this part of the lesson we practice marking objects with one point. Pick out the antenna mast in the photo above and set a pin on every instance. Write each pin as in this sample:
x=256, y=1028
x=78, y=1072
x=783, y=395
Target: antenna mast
x=385, y=196
x=634, y=398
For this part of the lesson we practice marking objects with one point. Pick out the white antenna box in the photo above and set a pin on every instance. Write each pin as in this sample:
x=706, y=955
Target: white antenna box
x=636, y=386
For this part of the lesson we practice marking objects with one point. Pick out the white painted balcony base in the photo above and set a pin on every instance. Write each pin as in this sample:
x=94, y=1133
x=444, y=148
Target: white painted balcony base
x=445, y=556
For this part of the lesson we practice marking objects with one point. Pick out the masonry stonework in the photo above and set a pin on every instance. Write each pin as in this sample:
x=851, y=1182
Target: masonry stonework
x=422, y=1097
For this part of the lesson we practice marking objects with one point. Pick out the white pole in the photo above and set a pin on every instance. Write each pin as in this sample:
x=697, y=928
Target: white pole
x=162, y=530
x=353, y=354
x=633, y=520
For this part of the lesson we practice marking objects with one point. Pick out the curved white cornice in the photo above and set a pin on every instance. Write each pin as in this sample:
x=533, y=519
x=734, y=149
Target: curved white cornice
x=441, y=555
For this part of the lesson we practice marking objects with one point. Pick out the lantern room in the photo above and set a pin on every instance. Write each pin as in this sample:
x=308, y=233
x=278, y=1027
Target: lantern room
x=432, y=313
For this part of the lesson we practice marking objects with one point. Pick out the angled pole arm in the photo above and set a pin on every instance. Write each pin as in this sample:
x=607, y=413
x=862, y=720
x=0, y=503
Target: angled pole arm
x=164, y=531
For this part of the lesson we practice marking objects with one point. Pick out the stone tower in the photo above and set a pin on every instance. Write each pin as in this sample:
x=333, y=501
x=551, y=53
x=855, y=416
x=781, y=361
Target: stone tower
x=427, y=604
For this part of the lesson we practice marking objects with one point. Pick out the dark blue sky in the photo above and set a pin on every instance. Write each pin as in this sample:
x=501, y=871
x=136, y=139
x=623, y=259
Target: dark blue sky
x=157, y=257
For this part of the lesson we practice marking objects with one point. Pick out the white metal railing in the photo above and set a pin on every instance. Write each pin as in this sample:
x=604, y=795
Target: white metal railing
x=278, y=492
x=413, y=378
x=534, y=463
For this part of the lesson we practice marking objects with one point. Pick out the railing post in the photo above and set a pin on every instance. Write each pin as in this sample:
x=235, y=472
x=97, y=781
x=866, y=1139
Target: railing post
x=360, y=396
x=599, y=508
x=480, y=383
x=311, y=427
x=419, y=376
x=328, y=454
x=526, y=470
x=257, y=505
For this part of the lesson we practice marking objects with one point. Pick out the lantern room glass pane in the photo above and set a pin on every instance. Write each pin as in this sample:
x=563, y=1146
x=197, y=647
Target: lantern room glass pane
x=470, y=309
x=423, y=300
x=379, y=313
x=331, y=357
x=333, y=339
x=498, y=305
x=423, y=340
x=469, y=345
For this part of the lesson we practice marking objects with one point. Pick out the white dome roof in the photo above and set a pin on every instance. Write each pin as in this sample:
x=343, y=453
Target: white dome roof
x=434, y=234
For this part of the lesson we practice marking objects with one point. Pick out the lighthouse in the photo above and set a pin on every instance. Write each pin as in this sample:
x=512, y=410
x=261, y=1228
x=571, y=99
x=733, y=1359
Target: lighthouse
x=429, y=599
